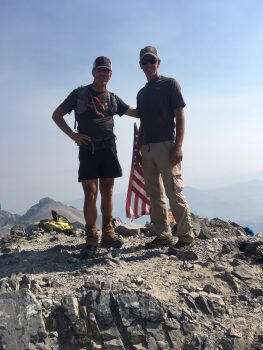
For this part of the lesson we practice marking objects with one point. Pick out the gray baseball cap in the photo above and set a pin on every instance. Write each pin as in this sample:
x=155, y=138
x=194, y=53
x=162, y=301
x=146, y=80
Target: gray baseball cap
x=102, y=62
x=148, y=50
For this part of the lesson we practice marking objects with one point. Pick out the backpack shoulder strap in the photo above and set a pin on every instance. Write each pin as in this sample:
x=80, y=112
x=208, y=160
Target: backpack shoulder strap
x=83, y=94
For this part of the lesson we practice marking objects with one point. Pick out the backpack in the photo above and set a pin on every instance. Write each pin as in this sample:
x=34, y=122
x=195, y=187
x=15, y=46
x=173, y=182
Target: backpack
x=84, y=94
x=58, y=224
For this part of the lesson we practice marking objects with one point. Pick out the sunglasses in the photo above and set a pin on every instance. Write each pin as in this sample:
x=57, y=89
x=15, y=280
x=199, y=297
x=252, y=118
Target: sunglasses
x=148, y=60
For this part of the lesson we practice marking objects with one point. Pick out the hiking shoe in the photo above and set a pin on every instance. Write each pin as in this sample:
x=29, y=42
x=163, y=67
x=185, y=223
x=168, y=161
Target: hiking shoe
x=182, y=246
x=158, y=243
x=115, y=242
x=109, y=237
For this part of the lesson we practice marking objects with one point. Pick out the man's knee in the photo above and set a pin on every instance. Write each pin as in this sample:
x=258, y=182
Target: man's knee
x=90, y=191
x=106, y=188
x=107, y=192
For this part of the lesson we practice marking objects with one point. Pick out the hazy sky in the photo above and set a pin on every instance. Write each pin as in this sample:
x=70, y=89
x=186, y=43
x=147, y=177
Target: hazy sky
x=213, y=48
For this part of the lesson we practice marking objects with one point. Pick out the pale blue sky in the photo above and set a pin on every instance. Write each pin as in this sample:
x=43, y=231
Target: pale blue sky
x=213, y=48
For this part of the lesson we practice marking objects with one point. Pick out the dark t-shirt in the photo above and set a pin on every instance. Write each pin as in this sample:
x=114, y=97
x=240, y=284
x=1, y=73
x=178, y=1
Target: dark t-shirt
x=156, y=102
x=96, y=115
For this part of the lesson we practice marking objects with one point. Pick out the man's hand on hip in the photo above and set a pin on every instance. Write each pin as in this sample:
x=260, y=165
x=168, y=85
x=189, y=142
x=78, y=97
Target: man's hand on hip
x=80, y=138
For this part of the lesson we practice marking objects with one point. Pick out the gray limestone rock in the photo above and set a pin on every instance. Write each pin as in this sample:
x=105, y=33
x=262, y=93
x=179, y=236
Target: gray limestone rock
x=256, y=292
x=17, y=231
x=188, y=255
x=253, y=247
x=129, y=229
x=243, y=272
x=203, y=305
x=227, y=277
x=212, y=303
x=233, y=344
x=210, y=289
x=21, y=320
x=71, y=308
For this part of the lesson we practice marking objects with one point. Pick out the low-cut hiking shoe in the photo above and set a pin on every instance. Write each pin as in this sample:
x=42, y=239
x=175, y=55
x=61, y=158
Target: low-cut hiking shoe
x=115, y=242
x=158, y=243
x=182, y=246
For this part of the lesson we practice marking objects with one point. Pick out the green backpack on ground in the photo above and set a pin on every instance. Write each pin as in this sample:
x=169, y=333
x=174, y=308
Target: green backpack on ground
x=58, y=224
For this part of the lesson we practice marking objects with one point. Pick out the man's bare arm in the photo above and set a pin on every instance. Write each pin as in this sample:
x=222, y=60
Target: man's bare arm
x=176, y=154
x=132, y=112
x=58, y=117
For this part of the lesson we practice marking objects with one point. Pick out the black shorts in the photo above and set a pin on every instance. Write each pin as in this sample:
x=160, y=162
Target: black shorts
x=103, y=163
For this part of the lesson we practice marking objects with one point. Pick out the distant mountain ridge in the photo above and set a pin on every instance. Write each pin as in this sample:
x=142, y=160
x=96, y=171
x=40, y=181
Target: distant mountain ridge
x=42, y=211
x=242, y=202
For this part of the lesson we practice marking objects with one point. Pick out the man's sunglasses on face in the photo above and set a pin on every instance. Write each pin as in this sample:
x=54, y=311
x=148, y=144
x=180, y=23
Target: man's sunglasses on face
x=148, y=60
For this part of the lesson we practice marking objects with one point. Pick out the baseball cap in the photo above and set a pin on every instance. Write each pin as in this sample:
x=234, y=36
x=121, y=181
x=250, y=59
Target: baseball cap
x=148, y=50
x=102, y=62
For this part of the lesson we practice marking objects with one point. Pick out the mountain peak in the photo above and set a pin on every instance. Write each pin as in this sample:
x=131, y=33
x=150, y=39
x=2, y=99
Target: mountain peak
x=42, y=210
x=45, y=200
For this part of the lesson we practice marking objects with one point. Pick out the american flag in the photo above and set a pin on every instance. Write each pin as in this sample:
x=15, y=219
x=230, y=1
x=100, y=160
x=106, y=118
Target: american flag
x=137, y=202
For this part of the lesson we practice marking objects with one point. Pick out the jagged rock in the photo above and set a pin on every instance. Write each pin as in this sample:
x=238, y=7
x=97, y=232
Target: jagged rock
x=203, y=305
x=33, y=229
x=7, y=218
x=233, y=344
x=205, y=233
x=129, y=229
x=242, y=272
x=256, y=292
x=21, y=320
x=130, y=298
x=227, y=248
x=70, y=306
x=13, y=282
x=253, y=247
x=226, y=276
x=210, y=289
x=5, y=231
x=191, y=303
x=122, y=319
x=185, y=256
x=195, y=344
x=4, y=286
x=17, y=231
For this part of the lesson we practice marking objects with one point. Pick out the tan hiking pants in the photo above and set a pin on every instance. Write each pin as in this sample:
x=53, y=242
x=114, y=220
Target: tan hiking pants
x=164, y=179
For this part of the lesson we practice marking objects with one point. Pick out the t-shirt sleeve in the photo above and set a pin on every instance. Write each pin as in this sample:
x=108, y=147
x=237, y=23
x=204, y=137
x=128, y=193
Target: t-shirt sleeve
x=70, y=103
x=177, y=99
x=122, y=107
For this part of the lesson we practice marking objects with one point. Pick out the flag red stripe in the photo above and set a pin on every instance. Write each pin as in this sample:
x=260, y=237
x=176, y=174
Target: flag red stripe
x=137, y=202
x=139, y=182
x=141, y=196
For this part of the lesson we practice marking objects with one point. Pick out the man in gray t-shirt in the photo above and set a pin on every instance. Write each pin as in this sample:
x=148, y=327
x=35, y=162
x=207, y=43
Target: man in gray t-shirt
x=95, y=108
x=160, y=108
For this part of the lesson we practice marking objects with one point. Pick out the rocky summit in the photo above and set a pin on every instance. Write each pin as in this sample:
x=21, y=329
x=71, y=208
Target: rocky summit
x=207, y=298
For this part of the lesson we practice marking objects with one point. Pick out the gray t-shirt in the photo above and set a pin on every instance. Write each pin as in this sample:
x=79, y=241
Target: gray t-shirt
x=156, y=102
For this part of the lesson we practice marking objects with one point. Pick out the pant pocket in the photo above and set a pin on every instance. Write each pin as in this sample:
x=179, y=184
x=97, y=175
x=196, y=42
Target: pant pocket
x=178, y=183
x=177, y=178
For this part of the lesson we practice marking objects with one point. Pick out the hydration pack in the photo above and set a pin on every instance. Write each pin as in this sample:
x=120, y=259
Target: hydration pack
x=58, y=224
x=85, y=96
